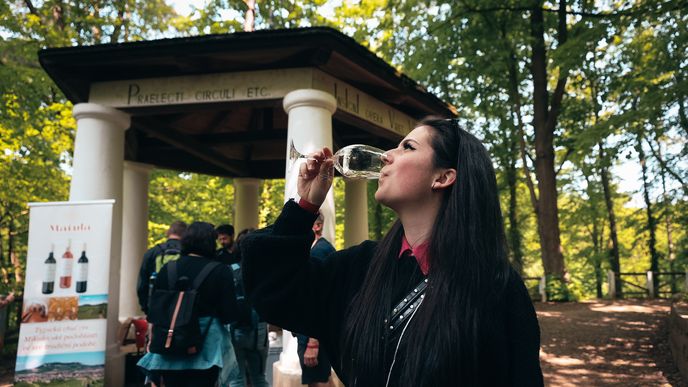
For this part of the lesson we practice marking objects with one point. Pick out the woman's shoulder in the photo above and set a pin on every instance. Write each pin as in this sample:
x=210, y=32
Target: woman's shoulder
x=514, y=279
x=516, y=297
x=509, y=283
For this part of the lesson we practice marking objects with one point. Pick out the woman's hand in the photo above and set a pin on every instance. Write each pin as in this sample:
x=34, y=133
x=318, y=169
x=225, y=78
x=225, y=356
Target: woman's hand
x=315, y=177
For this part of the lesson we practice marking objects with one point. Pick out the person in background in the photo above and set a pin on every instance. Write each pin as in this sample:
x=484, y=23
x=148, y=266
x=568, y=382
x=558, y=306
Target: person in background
x=315, y=365
x=225, y=237
x=249, y=334
x=5, y=301
x=156, y=257
x=435, y=302
x=216, y=306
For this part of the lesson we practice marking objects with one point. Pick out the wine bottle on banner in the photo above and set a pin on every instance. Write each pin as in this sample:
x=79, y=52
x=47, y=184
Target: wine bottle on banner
x=82, y=272
x=49, y=272
x=67, y=263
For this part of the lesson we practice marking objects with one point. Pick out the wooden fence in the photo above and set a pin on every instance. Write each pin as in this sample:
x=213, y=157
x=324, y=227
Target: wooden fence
x=646, y=285
x=633, y=285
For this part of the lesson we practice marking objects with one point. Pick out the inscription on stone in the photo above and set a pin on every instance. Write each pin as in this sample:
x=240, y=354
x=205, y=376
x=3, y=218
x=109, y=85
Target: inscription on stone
x=215, y=95
x=250, y=85
x=358, y=103
x=240, y=86
x=257, y=91
x=374, y=116
x=135, y=96
x=349, y=100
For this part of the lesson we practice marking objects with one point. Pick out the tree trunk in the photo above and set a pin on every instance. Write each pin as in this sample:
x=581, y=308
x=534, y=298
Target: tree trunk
x=514, y=234
x=667, y=222
x=516, y=141
x=665, y=167
x=31, y=7
x=683, y=117
x=596, y=264
x=595, y=236
x=96, y=30
x=516, y=111
x=58, y=16
x=651, y=222
x=14, y=257
x=4, y=259
x=598, y=235
x=119, y=21
x=544, y=121
x=515, y=99
x=249, y=21
x=10, y=237
x=126, y=26
x=614, y=261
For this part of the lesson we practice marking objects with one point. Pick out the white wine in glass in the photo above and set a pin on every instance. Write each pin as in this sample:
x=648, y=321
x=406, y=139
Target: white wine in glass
x=356, y=161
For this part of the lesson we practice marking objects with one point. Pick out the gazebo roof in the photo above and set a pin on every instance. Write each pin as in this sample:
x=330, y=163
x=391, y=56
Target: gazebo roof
x=236, y=138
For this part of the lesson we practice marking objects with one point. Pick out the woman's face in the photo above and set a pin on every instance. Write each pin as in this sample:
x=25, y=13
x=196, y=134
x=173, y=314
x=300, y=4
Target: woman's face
x=408, y=174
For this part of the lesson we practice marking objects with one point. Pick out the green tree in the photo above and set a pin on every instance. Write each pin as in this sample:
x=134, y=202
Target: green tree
x=549, y=76
x=561, y=90
x=36, y=125
x=188, y=197
x=34, y=149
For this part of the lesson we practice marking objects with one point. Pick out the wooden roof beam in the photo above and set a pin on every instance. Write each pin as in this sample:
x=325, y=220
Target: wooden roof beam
x=192, y=146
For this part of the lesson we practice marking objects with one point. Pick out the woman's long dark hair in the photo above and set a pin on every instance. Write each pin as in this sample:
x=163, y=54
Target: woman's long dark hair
x=468, y=270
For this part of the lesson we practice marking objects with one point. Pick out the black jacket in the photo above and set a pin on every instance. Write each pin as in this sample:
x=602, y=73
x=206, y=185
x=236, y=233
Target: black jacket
x=148, y=267
x=311, y=297
x=225, y=257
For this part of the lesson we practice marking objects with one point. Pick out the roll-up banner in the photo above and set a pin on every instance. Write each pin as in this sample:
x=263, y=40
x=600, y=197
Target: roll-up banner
x=63, y=330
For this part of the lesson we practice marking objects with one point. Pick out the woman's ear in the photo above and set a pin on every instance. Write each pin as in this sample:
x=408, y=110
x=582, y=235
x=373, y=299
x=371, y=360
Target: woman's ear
x=445, y=179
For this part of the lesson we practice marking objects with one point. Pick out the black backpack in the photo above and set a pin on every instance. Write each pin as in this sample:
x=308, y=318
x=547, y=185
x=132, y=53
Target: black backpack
x=173, y=315
x=245, y=313
x=244, y=331
x=167, y=254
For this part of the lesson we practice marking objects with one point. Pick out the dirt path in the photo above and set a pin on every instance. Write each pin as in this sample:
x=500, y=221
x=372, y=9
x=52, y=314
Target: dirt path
x=622, y=343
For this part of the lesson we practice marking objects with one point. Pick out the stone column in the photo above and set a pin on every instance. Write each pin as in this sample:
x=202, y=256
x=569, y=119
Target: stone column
x=134, y=235
x=97, y=174
x=246, y=202
x=356, y=214
x=310, y=128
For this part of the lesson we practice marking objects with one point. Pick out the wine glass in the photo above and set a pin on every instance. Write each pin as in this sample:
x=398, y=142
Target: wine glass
x=355, y=161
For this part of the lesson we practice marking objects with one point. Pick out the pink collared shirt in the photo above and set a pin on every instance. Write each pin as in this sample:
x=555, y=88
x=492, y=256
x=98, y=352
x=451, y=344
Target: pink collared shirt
x=420, y=252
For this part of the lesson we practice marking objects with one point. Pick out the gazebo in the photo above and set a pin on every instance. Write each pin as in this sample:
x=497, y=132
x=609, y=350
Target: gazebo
x=224, y=105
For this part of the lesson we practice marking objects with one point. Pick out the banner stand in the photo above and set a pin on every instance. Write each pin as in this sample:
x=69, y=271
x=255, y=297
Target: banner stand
x=69, y=319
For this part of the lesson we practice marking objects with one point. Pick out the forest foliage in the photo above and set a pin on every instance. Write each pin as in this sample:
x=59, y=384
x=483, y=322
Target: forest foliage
x=570, y=97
